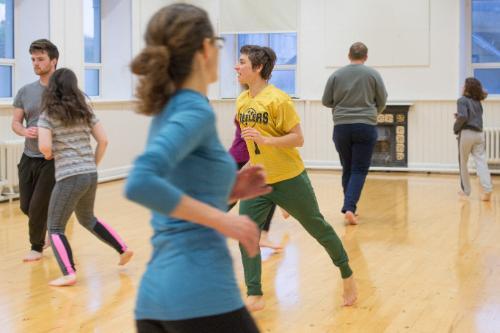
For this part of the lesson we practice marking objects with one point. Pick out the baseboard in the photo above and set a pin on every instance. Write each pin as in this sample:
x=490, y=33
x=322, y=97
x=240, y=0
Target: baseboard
x=106, y=175
x=412, y=167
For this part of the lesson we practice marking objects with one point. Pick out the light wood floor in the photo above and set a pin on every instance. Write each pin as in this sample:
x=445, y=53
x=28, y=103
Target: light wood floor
x=424, y=261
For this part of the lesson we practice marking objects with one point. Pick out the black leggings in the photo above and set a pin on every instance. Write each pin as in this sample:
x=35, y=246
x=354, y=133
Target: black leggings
x=238, y=321
x=267, y=225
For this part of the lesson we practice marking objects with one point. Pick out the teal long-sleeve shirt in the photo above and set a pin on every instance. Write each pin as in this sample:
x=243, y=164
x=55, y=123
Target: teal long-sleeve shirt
x=356, y=94
x=190, y=273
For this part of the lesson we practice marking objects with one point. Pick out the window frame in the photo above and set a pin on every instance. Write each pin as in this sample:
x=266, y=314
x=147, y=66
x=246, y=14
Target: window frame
x=277, y=67
x=11, y=62
x=471, y=66
x=95, y=65
x=99, y=67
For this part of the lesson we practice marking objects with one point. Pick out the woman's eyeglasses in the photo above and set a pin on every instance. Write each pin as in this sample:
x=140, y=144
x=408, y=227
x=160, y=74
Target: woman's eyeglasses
x=219, y=42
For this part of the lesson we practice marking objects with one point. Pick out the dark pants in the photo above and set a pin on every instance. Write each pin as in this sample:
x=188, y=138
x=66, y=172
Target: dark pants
x=238, y=321
x=267, y=225
x=354, y=143
x=36, y=180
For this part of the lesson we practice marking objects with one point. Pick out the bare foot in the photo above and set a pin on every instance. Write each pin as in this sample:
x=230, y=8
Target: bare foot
x=63, y=281
x=350, y=218
x=486, y=196
x=266, y=242
x=462, y=195
x=32, y=256
x=255, y=303
x=284, y=213
x=350, y=291
x=125, y=257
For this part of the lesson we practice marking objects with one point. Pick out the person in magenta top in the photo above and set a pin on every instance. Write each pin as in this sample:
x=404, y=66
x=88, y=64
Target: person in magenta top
x=238, y=148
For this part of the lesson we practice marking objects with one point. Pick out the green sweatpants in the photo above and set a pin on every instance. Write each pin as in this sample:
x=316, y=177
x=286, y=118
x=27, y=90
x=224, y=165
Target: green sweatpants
x=297, y=197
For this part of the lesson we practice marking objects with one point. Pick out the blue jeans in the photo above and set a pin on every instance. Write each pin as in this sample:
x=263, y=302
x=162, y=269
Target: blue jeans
x=354, y=143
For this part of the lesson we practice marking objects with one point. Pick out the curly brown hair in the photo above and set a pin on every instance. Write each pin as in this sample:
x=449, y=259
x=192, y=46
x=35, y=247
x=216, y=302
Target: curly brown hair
x=173, y=36
x=474, y=89
x=64, y=101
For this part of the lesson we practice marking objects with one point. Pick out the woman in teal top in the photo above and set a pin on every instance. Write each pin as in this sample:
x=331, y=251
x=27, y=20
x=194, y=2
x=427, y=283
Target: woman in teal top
x=186, y=177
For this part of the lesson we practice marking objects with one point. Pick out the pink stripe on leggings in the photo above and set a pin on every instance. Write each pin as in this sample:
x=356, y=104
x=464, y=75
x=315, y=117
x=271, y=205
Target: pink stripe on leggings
x=114, y=235
x=61, y=250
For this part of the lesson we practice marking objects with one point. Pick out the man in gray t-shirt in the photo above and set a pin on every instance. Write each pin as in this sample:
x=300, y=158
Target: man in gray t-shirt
x=356, y=94
x=29, y=99
x=36, y=174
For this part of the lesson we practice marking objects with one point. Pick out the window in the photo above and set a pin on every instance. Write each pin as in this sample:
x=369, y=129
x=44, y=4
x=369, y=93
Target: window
x=485, y=41
x=6, y=47
x=92, y=46
x=284, y=73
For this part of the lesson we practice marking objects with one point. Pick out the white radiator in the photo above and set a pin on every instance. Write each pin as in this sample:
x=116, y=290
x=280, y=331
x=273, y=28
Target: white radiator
x=10, y=155
x=492, y=144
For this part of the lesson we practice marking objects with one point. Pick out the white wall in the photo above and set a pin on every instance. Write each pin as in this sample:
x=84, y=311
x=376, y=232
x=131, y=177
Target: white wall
x=116, y=49
x=438, y=80
x=35, y=14
x=432, y=88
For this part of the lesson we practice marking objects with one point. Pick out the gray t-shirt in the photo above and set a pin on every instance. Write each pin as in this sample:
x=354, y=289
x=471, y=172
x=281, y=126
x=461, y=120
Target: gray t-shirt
x=73, y=154
x=29, y=98
x=356, y=93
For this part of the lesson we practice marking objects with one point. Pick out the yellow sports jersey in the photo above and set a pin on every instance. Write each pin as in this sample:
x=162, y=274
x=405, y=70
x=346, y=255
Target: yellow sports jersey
x=272, y=113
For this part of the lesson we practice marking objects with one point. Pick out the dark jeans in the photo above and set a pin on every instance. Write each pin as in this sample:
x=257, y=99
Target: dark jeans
x=238, y=321
x=36, y=180
x=354, y=143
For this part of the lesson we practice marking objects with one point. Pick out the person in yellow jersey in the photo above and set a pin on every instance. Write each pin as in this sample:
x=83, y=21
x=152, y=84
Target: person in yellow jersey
x=271, y=128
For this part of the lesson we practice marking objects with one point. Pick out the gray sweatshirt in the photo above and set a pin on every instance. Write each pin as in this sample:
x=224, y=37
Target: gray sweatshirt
x=356, y=94
x=469, y=115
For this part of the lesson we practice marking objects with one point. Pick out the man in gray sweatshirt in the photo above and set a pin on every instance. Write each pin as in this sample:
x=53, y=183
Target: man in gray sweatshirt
x=356, y=94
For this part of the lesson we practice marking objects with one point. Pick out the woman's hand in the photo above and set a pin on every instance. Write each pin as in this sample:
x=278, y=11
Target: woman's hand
x=249, y=133
x=243, y=229
x=250, y=183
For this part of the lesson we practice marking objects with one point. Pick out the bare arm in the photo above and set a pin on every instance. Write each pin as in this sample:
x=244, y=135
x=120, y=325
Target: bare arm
x=294, y=138
x=18, y=127
x=45, y=142
x=102, y=141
